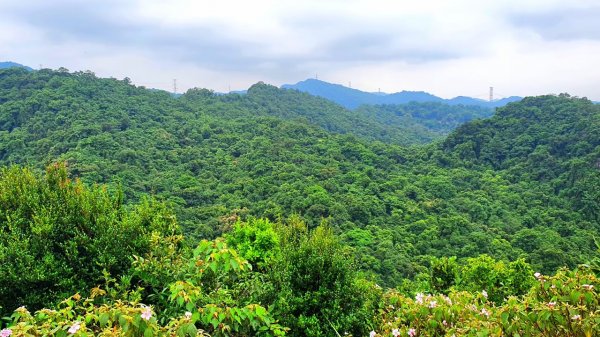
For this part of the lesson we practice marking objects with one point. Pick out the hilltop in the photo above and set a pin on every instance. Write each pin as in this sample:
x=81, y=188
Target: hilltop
x=353, y=98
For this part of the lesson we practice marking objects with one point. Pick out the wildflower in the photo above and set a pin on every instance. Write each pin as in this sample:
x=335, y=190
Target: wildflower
x=372, y=334
x=448, y=300
x=445, y=323
x=419, y=298
x=551, y=305
x=146, y=313
x=188, y=315
x=588, y=286
x=485, y=312
x=412, y=332
x=432, y=304
x=576, y=317
x=484, y=293
x=538, y=276
x=74, y=328
x=5, y=332
x=396, y=332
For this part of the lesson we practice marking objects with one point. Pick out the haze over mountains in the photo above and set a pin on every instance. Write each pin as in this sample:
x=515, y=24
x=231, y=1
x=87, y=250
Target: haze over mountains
x=352, y=98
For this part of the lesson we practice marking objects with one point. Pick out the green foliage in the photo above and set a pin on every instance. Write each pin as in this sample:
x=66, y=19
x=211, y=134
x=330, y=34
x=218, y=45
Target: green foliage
x=500, y=280
x=255, y=240
x=77, y=316
x=317, y=290
x=563, y=305
x=521, y=184
x=57, y=235
x=443, y=274
x=212, y=282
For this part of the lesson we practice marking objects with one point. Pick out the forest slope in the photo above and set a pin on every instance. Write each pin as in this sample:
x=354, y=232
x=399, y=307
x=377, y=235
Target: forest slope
x=221, y=157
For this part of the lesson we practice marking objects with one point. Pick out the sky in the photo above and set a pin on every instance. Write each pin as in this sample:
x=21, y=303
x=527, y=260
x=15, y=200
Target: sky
x=448, y=48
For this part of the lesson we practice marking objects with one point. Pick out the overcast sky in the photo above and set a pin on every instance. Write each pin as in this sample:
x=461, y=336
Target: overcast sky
x=446, y=47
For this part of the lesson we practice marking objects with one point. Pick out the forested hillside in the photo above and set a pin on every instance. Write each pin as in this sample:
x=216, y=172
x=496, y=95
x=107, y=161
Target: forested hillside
x=521, y=184
x=307, y=192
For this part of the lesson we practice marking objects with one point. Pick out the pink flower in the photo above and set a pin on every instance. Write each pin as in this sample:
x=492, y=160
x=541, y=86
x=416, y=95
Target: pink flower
x=412, y=332
x=419, y=298
x=146, y=313
x=551, y=305
x=74, y=328
x=372, y=334
x=5, y=332
x=396, y=332
x=445, y=323
x=485, y=312
x=432, y=304
x=588, y=286
x=576, y=317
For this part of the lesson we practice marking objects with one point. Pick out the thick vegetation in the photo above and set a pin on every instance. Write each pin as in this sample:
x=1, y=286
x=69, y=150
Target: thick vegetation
x=290, y=215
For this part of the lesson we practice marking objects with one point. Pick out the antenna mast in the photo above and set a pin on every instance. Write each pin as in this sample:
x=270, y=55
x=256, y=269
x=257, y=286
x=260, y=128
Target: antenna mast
x=174, y=86
x=491, y=94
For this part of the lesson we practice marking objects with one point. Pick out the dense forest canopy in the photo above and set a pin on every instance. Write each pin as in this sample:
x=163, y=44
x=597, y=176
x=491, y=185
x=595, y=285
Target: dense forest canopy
x=519, y=191
x=520, y=184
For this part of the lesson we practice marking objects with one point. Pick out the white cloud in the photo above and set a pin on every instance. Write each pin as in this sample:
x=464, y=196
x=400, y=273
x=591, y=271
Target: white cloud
x=449, y=48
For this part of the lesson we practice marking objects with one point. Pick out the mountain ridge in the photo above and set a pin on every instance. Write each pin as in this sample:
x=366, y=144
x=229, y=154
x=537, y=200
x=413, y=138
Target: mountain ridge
x=352, y=98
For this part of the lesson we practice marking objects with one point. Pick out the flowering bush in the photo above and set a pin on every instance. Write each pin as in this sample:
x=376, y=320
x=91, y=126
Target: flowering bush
x=80, y=317
x=566, y=304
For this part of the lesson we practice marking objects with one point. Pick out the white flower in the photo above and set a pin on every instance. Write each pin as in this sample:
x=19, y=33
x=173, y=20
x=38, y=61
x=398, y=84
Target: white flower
x=147, y=313
x=412, y=332
x=396, y=332
x=537, y=275
x=74, y=328
x=419, y=298
x=551, y=305
x=432, y=304
x=576, y=317
x=485, y=312
x=5, y=332
x=588, y=286
x=372, y=334
x=188, y=314
x=484, y=293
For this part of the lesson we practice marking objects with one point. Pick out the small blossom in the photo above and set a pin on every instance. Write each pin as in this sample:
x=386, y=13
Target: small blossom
x=74, y=328
x=146, y=313
x=412, y=332
x=5, y=332
x=576, y=317
x=551, y=305
x=432, y=304
x=419, y=298
x=484, y=293
x=588, y=286
x=537, y=275
x=188, y=315
x=372, y=334
x=396, y=332
x=485, y=312
x=445, y=323
x=448, y=300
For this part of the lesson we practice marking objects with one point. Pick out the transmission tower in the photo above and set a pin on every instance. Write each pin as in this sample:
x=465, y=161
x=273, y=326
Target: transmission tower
x=174, y=86
x=491, y=94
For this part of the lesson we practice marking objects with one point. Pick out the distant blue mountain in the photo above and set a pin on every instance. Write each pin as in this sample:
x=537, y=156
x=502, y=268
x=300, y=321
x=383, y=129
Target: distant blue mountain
x=4, y=65
x=353, y=98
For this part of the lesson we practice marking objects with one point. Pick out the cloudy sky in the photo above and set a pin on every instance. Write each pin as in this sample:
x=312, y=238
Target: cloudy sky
x=448, y=48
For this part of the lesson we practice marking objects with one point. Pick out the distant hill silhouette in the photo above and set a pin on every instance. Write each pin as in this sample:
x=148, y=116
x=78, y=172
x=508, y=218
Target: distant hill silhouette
x=4, y=65
x=352, y=98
